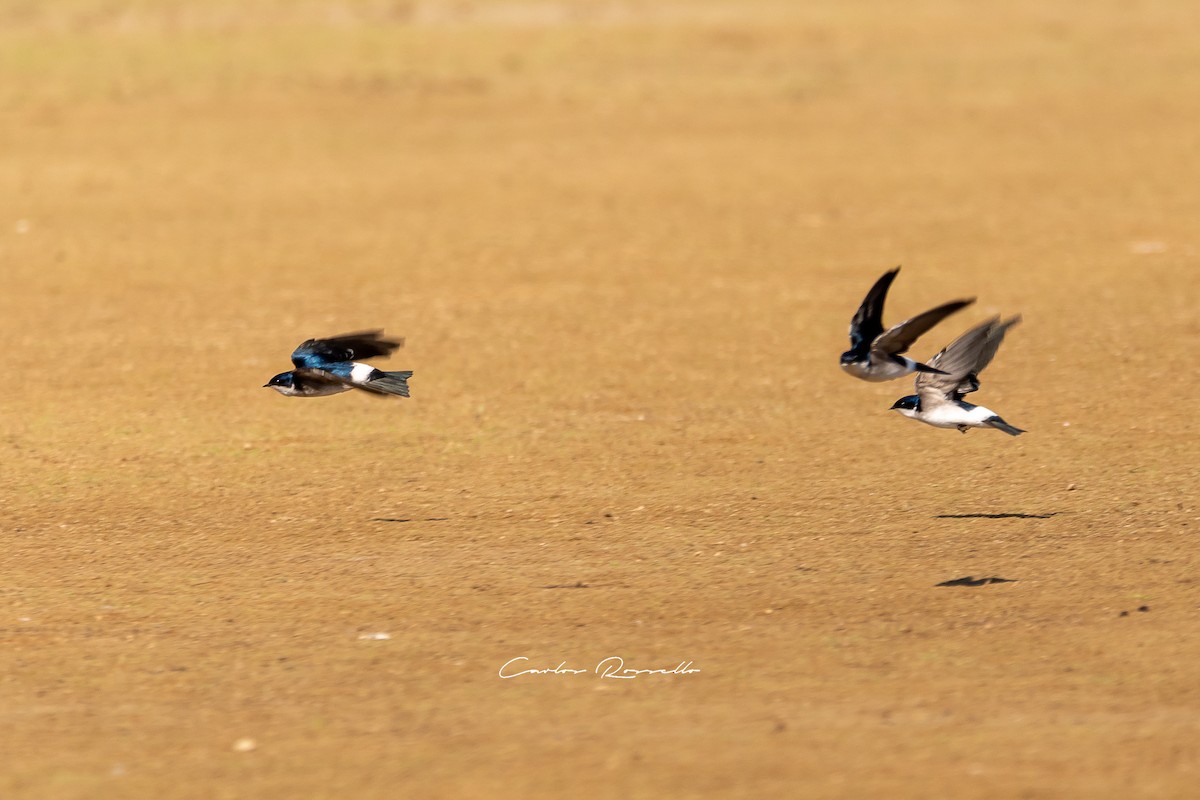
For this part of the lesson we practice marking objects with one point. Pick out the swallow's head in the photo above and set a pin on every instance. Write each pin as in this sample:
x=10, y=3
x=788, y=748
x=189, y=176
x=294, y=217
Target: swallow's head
x=910, y=404
x=849, y=357
x=283, y=381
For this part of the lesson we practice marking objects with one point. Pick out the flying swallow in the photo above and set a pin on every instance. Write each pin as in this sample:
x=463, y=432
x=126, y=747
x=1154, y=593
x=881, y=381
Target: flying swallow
x=327, y=366
x=939, y=398
x=875, y=354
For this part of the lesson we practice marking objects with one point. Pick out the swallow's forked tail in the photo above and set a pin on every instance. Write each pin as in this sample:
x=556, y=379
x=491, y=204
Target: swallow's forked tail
x=1000, y=424
x=389, y=382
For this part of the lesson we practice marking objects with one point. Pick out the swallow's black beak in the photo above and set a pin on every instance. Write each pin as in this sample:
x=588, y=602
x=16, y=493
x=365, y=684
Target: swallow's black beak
x=266, y=386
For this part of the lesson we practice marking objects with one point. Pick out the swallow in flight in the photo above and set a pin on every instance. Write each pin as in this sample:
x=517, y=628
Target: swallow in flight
x=875, y=354
x=939, y=398
x=328, y=366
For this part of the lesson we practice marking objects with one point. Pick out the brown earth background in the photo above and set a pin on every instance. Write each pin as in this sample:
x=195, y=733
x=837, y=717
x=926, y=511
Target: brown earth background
x=623, y=240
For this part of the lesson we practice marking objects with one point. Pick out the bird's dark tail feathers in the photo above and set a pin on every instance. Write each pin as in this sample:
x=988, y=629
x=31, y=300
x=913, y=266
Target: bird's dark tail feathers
x=389, y=383
x=926, y=368
x=1000, y=424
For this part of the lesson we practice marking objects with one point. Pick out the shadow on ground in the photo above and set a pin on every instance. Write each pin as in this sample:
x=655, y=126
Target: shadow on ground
x=998, y=516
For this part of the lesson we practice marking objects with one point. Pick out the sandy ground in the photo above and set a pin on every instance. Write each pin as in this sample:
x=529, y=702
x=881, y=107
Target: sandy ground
x=624, y=241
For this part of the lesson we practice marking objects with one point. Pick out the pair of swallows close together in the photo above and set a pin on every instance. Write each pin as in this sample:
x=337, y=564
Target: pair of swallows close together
x=328, y=366
x=876, y=354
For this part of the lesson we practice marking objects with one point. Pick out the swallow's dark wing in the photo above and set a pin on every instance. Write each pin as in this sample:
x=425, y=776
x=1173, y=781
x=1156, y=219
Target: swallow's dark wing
x=900, y=337
x=317, y=382
x=390, y=383
x=990, y=345
x=994, y=338
x=957, y=361
x=316, y=353
x=867, y=322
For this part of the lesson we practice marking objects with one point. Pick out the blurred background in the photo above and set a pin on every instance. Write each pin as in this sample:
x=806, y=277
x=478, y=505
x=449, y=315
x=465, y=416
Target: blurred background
x=623, y=241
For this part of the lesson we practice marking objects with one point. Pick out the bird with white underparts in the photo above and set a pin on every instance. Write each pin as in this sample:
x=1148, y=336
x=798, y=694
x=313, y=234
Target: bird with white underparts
x=328, y=366
x=939, y=398
x=876, y=354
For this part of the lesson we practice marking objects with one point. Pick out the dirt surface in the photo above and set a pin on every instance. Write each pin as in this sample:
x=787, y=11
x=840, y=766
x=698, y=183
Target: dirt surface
x=624, y=241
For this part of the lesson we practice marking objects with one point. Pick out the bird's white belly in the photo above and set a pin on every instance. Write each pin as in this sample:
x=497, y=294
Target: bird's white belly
x=878, y=371
x=952, y=416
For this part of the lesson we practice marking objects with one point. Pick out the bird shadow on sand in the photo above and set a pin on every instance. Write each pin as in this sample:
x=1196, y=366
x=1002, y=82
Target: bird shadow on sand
x=394, y=519
x=1013, y=515
x=971, y=580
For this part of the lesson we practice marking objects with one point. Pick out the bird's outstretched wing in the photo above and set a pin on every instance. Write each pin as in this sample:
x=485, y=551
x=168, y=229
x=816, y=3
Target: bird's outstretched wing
x=317, y=381
x=387, y=384
x=867, y=322
x=994, y=338
x=316, y=353
x=962, y=360
x=986, y=354
x=900, y=337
